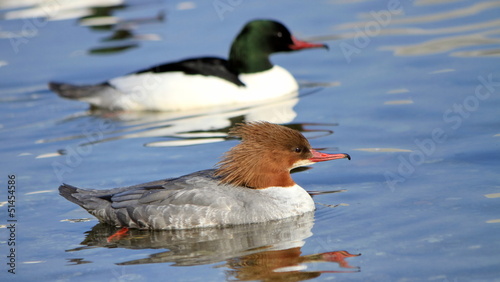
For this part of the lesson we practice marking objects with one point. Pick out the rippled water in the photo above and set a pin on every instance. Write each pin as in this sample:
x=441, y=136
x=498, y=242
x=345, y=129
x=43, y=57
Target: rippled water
x=410, y=89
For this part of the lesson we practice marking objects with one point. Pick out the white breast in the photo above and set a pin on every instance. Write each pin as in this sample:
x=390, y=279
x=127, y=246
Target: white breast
x=228, y=205
x=288, y=201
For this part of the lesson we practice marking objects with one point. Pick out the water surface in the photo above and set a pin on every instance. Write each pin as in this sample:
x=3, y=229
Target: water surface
x=410, y=89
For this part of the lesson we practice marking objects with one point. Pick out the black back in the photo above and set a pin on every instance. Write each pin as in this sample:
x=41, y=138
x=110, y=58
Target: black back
x=207, y=66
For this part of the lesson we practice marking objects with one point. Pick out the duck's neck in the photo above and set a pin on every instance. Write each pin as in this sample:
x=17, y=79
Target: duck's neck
x=271, y=179
x=255, y=179
x=244, y=58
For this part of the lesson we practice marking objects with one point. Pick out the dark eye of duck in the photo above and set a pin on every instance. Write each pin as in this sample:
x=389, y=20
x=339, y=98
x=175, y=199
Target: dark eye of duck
x=279, y=34
x=298, y=150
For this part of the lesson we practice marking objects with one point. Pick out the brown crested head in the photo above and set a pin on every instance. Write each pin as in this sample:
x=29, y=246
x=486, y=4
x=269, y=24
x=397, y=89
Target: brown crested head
x=266, y=155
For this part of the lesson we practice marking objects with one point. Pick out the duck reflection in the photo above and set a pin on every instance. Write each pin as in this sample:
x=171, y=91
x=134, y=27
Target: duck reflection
x=265, y=251
x=182, y=128
x=285, y=265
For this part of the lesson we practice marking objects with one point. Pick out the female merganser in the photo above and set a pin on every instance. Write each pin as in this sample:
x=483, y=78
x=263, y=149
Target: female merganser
x=251, y=184
x=248, y=76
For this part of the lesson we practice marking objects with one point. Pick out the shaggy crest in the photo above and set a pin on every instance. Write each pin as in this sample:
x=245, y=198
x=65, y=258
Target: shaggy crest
x=264, y=157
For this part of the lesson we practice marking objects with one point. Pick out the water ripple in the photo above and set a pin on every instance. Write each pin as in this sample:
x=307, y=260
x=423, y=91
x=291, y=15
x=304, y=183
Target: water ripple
x=479, y=37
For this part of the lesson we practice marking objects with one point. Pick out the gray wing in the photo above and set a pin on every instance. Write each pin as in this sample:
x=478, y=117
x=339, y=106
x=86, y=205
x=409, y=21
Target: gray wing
x=185, y=202
x=174, y=191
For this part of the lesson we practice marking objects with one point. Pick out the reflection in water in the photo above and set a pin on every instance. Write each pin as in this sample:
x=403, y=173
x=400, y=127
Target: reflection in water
x=53, y=10
x=450, y=43
x=183, y=128
x=479, y=35
x=473, y=9
x=96, y=14
x=285, y=265
x=123, y=36
x=265, y=251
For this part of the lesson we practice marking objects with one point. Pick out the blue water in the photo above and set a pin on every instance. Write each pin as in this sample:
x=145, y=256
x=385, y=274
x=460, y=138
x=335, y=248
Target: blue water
x=410, y=89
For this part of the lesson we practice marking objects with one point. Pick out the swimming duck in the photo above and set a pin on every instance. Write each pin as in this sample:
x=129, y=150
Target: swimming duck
x=251, y=184
x=248, y=76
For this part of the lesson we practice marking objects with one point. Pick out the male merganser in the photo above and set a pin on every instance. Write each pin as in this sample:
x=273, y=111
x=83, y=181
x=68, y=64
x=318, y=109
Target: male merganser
x=251, y=184
x=247, y=77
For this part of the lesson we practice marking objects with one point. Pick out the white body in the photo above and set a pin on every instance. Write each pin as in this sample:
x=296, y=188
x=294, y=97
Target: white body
x=176, y=91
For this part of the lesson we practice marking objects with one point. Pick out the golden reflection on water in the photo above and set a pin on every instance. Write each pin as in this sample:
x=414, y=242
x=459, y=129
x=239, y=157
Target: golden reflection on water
x=478, y=37
x=450, y=43
x=285, y=265
x=473, y=9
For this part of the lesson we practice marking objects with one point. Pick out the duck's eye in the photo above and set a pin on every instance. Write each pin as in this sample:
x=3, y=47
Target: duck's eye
x=298, y=150
x=279, y=34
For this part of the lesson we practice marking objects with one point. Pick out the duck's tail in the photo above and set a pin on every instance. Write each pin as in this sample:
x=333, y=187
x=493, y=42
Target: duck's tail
x=78, y=92
x=96, y=202
x=68, y=192
x=99, y=204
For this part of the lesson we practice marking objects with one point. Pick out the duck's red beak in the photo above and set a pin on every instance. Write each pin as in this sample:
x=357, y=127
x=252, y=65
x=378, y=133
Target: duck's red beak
x=299, y=44
x=321, y=157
